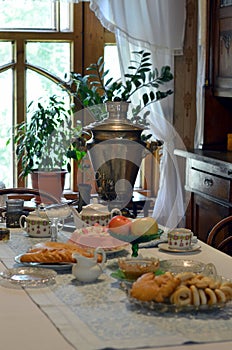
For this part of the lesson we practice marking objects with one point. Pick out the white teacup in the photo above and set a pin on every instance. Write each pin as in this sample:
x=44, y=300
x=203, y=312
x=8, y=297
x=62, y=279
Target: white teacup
x=180, y=238
x=35, y=226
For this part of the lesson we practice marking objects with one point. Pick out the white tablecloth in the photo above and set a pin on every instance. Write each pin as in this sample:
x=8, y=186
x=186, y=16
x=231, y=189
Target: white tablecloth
x=71, y=315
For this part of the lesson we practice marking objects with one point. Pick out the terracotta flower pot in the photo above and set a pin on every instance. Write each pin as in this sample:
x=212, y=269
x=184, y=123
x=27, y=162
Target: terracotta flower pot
x=49, y=182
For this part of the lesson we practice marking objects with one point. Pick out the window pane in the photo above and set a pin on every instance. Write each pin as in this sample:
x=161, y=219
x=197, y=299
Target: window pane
x=5, y=52
x=112, y=61
x=65, y=17
x=28, y=14
x=39, y=86
x=6, y=119
x=54, y=57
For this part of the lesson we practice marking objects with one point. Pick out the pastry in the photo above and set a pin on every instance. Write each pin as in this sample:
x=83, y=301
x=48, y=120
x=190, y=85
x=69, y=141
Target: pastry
x=150, y=287
x=55, y=252
x=183, y=289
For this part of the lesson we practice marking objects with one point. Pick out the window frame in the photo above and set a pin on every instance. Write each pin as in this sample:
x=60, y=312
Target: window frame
x=19, y=66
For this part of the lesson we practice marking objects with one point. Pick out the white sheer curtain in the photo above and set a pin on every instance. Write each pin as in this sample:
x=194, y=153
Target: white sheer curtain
x=158, y=26
x=200, y=98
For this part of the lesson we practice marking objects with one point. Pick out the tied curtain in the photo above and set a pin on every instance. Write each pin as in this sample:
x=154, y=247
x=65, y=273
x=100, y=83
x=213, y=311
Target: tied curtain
x=156, y=26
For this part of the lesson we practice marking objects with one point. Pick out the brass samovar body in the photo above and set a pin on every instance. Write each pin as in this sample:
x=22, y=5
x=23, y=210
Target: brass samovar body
x=116, y=152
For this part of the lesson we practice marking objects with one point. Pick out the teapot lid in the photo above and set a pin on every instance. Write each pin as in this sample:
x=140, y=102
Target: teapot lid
x=95, y=207
x=38, y=214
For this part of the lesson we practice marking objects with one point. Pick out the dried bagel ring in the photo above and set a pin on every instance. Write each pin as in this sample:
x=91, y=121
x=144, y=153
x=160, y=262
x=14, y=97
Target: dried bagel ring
x=181, y=296
x=203, y=299
x=211, y=296
x=213, y=284
x=227, y=283
x=199, y=281
x=195, y=296
x=227, y=291
x=184, y=276
x=220, y=295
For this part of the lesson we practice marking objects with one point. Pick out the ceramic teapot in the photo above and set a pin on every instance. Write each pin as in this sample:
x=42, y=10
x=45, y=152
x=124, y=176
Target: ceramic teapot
x=36, y=225
x=88, y=269
x=95, y=213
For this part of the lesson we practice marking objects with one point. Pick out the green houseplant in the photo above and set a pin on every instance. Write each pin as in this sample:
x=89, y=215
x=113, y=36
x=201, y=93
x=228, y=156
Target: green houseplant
x=95, y=88
x=46, y=142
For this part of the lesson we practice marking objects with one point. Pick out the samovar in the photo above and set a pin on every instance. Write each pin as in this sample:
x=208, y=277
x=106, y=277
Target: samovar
x=116, y=151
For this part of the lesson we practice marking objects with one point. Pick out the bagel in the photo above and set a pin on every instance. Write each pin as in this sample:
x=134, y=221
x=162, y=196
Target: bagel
x=203, y=299
x=211, y=296
x=227, y=291
x=195, y=295
x=199, y=281
x=185, y=276
x=221, y=298
x=181, y=296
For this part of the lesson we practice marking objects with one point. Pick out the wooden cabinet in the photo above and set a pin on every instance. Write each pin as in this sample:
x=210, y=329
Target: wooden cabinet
x=222, y=48
x=209, y=180
x=218, y=76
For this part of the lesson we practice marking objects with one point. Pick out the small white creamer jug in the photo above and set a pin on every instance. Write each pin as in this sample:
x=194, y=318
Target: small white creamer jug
x=88, y=269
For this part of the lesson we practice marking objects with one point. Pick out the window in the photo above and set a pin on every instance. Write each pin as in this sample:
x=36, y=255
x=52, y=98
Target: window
x=38, y=48
x=36, y=55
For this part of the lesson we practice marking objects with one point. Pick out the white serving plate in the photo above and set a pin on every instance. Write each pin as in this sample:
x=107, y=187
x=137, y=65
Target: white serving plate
x=59, y=267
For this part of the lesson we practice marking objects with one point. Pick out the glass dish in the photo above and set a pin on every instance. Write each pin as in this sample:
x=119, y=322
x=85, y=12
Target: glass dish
x=172, y=308
x=169, y=307
x=135, y=241
x=29, y=276
x=182, y=265
x=133, y=268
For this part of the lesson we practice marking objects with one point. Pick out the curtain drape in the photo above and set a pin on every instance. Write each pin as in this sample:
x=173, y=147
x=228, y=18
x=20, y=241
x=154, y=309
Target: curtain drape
x=201, y=59
x=158, y=26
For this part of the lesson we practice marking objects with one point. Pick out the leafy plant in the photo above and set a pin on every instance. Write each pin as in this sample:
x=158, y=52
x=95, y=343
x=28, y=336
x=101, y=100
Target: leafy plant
x=47, y=140
x=94, y=88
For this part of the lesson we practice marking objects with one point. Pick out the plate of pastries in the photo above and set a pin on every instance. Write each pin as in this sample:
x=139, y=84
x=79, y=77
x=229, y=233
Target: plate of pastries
x=55, y=255
x=183, y=291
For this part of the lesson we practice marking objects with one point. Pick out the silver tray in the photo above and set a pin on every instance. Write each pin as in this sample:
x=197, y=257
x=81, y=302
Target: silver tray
x=29, y=276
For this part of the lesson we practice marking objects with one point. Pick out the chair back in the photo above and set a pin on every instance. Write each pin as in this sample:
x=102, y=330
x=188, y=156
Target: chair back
x=22, y=191
x=220, y=236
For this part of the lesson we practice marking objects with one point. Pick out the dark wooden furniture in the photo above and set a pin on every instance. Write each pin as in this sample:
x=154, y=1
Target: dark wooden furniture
x=218, y=77
x=220, y=236
x=209, y=181
x=26, y=193
x=221, y=23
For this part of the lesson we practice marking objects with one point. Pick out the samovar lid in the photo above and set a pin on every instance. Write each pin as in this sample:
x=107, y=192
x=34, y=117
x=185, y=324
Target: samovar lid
x=116, y=120
x=107, y=125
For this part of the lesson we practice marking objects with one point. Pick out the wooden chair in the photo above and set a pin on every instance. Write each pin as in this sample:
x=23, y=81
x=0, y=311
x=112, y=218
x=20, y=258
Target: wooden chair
x=220, y=236
x=27, y=194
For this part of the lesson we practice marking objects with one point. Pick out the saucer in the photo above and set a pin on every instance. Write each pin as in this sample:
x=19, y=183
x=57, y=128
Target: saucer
x=193, y=248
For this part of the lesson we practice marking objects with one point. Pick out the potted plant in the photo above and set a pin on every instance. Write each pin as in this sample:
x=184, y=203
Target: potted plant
x=95, y=89
x=46, y=143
